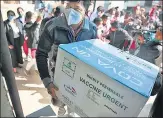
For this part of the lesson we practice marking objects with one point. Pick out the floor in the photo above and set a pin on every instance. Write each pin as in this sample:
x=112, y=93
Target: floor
x=33, y=94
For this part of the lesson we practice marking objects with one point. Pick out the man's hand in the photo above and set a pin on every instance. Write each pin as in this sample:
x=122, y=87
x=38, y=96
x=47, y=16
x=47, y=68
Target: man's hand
x=52, y=89
x=11, y=47
x=38, y=19
x=106, y=40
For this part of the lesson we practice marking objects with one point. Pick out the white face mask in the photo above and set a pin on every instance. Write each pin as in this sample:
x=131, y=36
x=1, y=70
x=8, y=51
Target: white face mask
x=73, y=17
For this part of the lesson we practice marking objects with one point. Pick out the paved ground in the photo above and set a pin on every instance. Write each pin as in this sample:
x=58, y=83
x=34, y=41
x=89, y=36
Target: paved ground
x=33, y=95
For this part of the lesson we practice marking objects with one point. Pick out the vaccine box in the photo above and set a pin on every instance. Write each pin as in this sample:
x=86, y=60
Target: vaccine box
x=96, y=79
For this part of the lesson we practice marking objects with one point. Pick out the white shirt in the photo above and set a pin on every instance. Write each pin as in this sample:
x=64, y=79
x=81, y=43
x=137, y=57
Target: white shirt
x=121, y=19
x=106, y=28
x=15, y=30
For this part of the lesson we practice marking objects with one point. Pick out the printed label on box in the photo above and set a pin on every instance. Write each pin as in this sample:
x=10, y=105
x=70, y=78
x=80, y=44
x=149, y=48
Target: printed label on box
x=69, y=67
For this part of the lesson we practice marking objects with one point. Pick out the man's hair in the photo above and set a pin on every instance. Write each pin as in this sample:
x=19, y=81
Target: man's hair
x=10, y=12
x=115, y=24
x=58, y=10
x=104, y=16
x=28, y=14
x=96, y=20
x=117, y=8
x=19, y=9
x=100, y=8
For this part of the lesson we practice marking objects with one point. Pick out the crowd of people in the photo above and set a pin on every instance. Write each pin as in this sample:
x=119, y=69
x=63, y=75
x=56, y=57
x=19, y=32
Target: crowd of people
x=40, y=37
x=23, y=33
x=118, y=26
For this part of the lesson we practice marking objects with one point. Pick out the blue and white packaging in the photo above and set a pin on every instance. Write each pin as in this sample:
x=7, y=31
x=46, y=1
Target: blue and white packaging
x=96, y=79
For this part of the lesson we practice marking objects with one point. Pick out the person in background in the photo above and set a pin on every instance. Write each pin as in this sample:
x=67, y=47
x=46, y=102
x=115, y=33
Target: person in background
x=48, y=9
x=128, y=25
x=41, y=9
x=122, y=17
x=136, y=10
x=127, y=17
x=157, y=17
x=20, y=22
x=152, y=12
x=145, y=25
x=137, y=20
x=143, y=17
x=151, y=51
x=32, y=33
x=111, y=13
x=86, y=4
x=89, y=8
x=7, y=75
x=118, y=36
x=98, y=22
x=98, y=13
x=56, y=12
x=68, y=28
x=106, y=25
x=151, y=25
x=59, y=11
x=37, y=4
x=116, y=16
x=18, y=42
x=117, y=9
x=10, y=37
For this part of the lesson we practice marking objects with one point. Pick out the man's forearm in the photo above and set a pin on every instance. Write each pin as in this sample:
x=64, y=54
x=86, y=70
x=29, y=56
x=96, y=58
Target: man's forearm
x=41, y=59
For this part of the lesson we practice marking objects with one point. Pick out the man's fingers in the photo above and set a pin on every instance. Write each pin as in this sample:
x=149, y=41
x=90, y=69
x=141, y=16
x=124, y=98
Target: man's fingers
x=53, y=94
x=56, y=88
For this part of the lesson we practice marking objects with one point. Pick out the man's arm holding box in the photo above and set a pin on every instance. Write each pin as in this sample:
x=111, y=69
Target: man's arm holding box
x=45, y=43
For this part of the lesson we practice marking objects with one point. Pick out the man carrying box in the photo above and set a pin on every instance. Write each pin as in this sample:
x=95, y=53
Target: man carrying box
x=69, y=28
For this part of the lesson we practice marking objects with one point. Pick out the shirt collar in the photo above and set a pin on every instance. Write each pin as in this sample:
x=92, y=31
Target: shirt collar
x=85, y=24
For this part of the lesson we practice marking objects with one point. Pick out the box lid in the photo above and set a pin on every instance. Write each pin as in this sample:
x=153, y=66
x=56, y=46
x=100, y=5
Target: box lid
x=131, y=71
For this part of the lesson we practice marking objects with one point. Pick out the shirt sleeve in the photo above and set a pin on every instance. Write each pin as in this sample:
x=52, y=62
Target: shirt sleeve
x=44, y=47
x=93, y=16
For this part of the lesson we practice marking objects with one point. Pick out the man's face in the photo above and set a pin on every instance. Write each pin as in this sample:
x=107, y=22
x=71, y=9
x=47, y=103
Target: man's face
x=138, y=7
x=104, y=21
x=76, y=6
x=117, y=14
x=113, y=12
x=100, y=13
x=11, y=17
x=21, y=12
x=99, y=23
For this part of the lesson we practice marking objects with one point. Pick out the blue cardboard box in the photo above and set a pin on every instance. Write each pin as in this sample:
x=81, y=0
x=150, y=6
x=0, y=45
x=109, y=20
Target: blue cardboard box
x=96, y=79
